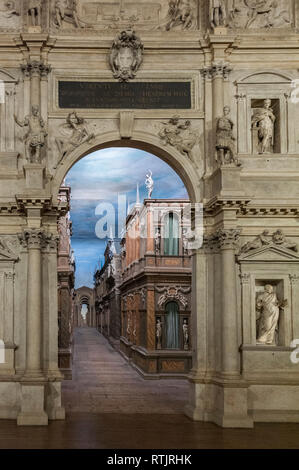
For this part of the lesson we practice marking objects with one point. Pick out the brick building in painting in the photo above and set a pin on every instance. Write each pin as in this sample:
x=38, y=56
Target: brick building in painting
x=151, y=278
x=107, y=293
x=66, y=274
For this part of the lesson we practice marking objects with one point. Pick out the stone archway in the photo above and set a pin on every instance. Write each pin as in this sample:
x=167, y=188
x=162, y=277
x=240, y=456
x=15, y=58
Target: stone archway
x=84, y=296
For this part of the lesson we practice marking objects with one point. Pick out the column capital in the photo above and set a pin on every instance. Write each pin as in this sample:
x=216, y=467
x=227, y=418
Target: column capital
x=219, y=69
x=228, y=238
x=35, y=68
x=32, y=238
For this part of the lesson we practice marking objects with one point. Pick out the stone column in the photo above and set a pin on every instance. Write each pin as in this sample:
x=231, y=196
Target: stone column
x=33, y=382
x=33, y=238
x=229, y=341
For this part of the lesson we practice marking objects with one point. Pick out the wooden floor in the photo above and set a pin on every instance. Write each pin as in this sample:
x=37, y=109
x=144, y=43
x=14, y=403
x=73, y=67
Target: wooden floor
x=104, y=382
x=109, y=406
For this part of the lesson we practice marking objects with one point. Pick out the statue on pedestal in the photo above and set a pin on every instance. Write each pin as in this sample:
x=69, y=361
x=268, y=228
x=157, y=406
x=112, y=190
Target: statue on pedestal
x=217, y=13
x=159, y=334
x=225, y=141
x=186, y=334
x=149, y=183
x=34, y=12
x=35, y=137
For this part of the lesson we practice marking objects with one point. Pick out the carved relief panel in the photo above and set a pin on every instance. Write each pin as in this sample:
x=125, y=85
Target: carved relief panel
x=118, y=14
x=252, y=15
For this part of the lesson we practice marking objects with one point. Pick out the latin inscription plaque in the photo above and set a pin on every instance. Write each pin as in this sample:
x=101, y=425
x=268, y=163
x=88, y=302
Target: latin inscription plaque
x=117, y=95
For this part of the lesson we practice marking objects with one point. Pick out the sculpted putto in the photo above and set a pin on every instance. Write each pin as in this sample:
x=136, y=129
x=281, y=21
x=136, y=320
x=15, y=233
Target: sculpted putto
x=179, y=135
x=78, y=134
x=225, y=141
x=268, y=307
x=35, y=137
x=126, y=55
x=263, y=119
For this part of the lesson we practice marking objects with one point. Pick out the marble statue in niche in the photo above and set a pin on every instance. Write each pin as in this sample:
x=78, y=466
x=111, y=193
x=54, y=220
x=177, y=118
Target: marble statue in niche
x=186, y=334
x=268, y=309
x=263, y=120
x=36, y=135
x=225, y=140
x=181, y=13
x=126, y=55
x=66, y=10
x=218, y=13
x=76, y=132
x=34, y=12
x=159, y=333
x=149, y=184
x=179, y=135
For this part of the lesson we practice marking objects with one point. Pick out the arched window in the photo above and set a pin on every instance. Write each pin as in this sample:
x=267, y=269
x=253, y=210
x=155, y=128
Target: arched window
x=171, y=235
x=172, y=325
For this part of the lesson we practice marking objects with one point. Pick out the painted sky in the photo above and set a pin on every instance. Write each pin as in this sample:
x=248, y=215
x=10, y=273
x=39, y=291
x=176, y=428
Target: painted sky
x=100, y=178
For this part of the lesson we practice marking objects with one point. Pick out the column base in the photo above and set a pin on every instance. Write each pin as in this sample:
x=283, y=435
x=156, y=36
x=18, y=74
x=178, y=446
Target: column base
x=224, y=405
x=32, y=406
x=32, y=419
x=53, y=401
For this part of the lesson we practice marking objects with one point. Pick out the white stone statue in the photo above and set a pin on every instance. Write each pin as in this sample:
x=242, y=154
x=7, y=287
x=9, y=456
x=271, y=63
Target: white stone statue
x=159, y=333
x=225, y=140
x=268, y=307
x=186, y=334
x=78, y=133
x=66, y=10
x=34, y=12
x=149, y=183
x=158, y=241
x=35, y=137
x=217, y=13
x=263, y=119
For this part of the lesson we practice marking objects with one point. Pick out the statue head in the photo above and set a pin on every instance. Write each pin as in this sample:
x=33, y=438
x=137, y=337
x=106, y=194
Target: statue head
x=226, y=110
x=267, y=103
x=268, y=288
x=10, y=5
x=35, y=110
